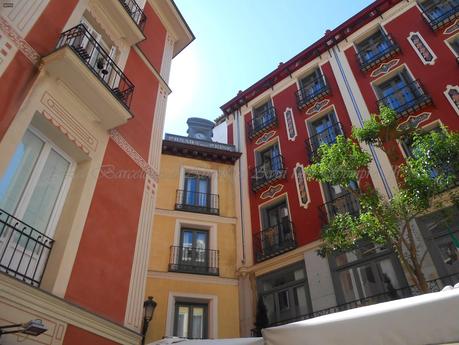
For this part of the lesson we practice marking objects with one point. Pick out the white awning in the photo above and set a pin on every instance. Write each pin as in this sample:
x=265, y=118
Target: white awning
x=238, y=341
x=422, y=320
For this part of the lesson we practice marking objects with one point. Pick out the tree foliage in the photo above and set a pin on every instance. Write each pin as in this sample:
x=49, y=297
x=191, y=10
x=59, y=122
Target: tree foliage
x=424, y=183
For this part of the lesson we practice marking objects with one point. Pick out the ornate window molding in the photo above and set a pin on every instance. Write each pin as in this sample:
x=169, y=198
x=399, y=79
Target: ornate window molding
x=290, y=124
x=452, y=95
x=421, y=48
x=301, y=186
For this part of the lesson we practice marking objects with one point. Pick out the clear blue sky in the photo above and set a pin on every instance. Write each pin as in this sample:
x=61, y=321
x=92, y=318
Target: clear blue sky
x=237, y=43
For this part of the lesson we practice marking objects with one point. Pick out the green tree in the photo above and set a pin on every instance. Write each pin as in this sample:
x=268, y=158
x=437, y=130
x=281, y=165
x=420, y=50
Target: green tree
x=424, y=185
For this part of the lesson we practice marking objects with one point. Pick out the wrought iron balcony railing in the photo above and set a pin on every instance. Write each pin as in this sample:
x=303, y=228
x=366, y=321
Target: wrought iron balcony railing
x=194, y=260
x=99, y=62
x=24, y=251
x=135, y=12
x=268, y=172
x=197, y=202
x=435, y=285
x=345, y=203
x=262, y=122
x=438, y=17
x=327, y=137
x=406, y=99
x=378, y=53
x=315, y=90
x=274, y=241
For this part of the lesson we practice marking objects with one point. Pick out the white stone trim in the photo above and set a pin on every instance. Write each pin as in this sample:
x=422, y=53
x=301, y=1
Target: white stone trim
x=212, y=302
x=304, y=205
x=286, y=112
x=195, y=216
x=448, y=88
x=39, y=302
x=424, y=61
x=448, y=44
x=192, y=278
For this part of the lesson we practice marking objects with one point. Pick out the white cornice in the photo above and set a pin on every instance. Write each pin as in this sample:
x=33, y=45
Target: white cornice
x=195, y=216
x=192, y=278
x=43, y=303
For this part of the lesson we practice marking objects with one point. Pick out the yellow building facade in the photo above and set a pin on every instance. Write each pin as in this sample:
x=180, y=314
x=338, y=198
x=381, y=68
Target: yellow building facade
x=192, y=272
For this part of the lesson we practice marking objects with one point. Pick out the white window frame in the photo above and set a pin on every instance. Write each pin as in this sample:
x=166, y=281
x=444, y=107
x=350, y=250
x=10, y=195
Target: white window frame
x=212, y=173
x=30, y=187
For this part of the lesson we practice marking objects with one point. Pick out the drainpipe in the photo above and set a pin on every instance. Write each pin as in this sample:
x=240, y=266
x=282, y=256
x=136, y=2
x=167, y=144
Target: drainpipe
x=237, y=115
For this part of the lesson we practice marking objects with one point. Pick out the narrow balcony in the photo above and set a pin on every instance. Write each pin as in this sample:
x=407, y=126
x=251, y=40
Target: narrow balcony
x=197, y=202
x=128, y=17
x=406, y=99
x=262, y=123
x=314, y=91
x=268, y=172
x=83, y=66
x=24, y=251
x=325, y=137
x=274, y=241
x=194, y=260
x=346, y=203
x=437, y=16
x=378, y=53
x=434, y=285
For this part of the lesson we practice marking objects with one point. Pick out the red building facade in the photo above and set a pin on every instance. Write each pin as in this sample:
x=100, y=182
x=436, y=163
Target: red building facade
x=402, y=54
x=84, y=95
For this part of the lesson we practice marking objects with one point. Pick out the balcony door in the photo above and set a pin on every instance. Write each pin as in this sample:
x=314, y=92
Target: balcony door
x=194, y=245
x=373, y=46
x=324, y=130
x=32, y=189
x=263, y=116
x=397, y=91
x=269, y=159
x=436, y=9
x=197, y=190
x=277, y=229
x=311, y=84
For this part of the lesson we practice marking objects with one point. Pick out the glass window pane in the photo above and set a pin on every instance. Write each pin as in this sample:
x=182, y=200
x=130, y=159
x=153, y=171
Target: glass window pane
x=348, y=286
x=46, y=192
x=268, y=300
x=301, y=304
x=283, y=300
x=368, y=280
x=197, y=325
x=19, y=170
x=187, y=238
x=182, y=320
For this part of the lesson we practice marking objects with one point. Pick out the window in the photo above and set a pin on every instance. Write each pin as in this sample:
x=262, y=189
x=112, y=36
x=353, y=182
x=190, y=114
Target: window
x=441, y=232
x=32, y=190
x=312, y=84
x=368, y=273
x=263, y=116
x=285, y=293
x=197, y=190
x=324, y=130
x=439, y=10
x=277, y=235
x=191, y=320
x=401, y=93
x=269, y=159
x=338, y=201
x=373, y=47
x=269, y=167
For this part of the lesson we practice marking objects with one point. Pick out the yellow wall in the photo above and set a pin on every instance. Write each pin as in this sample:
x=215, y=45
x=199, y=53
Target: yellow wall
x=228, y=301
x=170, y=176
x=161, y=283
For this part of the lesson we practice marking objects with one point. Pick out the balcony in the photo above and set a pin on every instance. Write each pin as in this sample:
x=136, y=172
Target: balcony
x=438, y=17
x=314, y=91
x=378, y=53
x=435, y=285
x=274, y=241
x=262, y=122
x=327, y=137
x=407, y=99
x=346, y=203
x=268, y=172
x=128, y=18
x=24, y=251
x=194, y=260
x=197, y=202
x=84, y=67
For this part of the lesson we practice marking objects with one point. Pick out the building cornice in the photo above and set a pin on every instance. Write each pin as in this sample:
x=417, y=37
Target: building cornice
x=43, y=303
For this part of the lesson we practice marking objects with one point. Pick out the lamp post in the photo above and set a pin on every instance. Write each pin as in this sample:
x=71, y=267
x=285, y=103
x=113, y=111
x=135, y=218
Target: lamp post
x=148, y=309
x=33, y=328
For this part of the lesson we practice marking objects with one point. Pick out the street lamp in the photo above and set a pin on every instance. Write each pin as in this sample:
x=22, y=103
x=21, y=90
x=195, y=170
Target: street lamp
x=148, y=309
x=33, y=328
